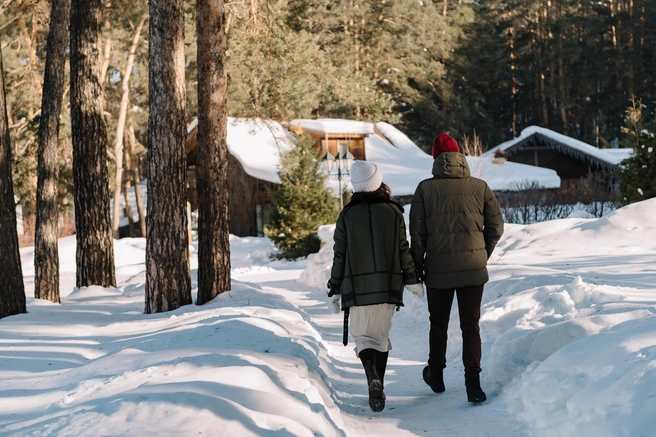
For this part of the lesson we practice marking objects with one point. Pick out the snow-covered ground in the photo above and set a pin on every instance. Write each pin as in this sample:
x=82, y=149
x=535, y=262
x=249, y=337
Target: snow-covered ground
x=569, y=348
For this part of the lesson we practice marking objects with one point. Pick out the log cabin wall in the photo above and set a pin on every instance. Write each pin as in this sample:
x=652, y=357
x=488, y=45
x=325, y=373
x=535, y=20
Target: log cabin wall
x=249, y=197
x=567, y=167
x=246, y=194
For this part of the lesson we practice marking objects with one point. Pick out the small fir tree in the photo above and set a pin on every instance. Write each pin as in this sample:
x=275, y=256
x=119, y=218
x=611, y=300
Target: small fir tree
x=638, y=175
x=302, y=202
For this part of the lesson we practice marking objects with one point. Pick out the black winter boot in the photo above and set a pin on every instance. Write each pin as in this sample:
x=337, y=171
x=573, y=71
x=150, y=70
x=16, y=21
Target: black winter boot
x=435, y=379
x=381, y=365
x=473, y=385
x=374, y=382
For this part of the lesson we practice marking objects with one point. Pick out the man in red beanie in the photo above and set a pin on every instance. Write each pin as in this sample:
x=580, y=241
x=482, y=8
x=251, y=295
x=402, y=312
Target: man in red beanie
x=455, y=223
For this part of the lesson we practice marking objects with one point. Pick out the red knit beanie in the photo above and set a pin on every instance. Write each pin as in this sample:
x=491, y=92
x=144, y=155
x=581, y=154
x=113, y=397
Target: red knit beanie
x=444, y=143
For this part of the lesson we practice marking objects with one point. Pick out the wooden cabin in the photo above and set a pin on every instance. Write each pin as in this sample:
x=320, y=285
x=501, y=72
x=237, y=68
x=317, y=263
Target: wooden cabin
x=570, y=158
x=250, y=197
x=254, y=155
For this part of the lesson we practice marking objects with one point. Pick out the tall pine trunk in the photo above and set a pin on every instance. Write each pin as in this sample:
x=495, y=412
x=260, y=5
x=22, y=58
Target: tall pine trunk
x=95, y=251
x=12, y=290
x=213, y=213
x=168, y=281
x=46, y=250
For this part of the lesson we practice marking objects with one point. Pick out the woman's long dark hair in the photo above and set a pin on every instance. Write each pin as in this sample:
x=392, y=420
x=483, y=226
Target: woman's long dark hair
x=382, y=194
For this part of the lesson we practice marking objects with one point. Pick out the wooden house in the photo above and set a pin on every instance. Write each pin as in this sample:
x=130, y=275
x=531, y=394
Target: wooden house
x=254, y=153
x=255, y=148
x=570, y=158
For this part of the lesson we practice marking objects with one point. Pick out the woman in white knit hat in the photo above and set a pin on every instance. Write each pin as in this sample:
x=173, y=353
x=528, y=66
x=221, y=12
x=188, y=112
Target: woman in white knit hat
x=371, y=266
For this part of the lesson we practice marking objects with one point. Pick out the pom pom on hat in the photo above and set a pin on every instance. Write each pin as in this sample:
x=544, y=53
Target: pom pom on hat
x=444, y=143
x=365, y=176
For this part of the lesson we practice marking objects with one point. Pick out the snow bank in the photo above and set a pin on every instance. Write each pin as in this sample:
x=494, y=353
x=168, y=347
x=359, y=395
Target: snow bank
x=568, y=323
x=568, y=329
x=245, y=364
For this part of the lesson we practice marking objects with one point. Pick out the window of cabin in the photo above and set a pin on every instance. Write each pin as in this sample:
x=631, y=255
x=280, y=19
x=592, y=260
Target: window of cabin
x=354, y=145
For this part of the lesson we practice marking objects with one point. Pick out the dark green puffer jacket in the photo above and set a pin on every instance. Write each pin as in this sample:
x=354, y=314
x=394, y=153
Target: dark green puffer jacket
x=455, y=223
x=372, y=260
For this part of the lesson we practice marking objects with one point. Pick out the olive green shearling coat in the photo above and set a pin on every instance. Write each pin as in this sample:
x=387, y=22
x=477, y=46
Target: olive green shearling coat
x=372, y=260
x=455, y=223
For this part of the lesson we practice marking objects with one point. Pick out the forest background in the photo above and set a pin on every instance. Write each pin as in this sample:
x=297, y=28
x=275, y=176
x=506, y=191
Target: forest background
x=487, y=67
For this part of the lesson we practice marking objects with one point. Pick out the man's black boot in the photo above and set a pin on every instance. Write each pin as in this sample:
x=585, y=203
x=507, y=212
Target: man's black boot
x=473, y=385
x=434, y=378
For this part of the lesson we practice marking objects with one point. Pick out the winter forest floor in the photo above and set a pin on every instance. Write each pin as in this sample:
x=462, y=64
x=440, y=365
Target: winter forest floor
x=568, y=328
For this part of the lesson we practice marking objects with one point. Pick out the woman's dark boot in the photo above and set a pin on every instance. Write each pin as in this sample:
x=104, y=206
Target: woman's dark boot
x=374, y=382
x=381, y=365
x=473, y=385
x=434, y=378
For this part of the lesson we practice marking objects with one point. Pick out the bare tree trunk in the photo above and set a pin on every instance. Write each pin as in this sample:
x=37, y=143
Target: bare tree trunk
x=107, y=50
x=513, y=84
x=136, y=177
x=118, y=145
x=213, y=213
x=46, y=247
x=127, y=211
x=95, y=250
x=12, y=290
x=168, y=280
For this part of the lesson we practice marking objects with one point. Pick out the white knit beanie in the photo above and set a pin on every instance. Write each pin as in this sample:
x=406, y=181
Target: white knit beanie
x=365, y=176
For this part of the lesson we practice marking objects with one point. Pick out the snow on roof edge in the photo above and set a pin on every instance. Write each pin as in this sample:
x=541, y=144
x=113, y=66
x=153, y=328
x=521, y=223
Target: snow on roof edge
x=573, y=143
x=334, y=126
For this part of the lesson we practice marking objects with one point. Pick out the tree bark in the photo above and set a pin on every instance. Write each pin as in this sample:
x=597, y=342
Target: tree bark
x=168, y=280
x=120, y=127
x=12, y=290
x=46, y=247
x=213, y=211
x=95, y=250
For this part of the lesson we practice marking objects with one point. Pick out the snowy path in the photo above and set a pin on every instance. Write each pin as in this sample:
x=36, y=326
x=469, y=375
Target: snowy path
x=568, y=327
x=412, y=409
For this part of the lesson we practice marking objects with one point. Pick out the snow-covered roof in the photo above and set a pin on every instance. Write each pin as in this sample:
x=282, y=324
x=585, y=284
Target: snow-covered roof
x=334, y=126
x=404, y=165
x=257, y=145
x=608, y=158
x=619, y=154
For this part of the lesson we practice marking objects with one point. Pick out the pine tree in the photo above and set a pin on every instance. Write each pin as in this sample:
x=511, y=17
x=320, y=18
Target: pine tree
x=168, y=279
x=279, y=70
x=213, y=205
x=12, y=289
x=302, y=202
x=638, y=175
x=95, y=246
x=46, y=252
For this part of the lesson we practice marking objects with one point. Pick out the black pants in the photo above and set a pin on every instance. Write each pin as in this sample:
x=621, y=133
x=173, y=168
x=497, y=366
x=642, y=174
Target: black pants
x=469, y=309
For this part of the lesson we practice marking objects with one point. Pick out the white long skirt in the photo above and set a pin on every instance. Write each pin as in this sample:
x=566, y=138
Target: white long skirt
x=370, y=327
